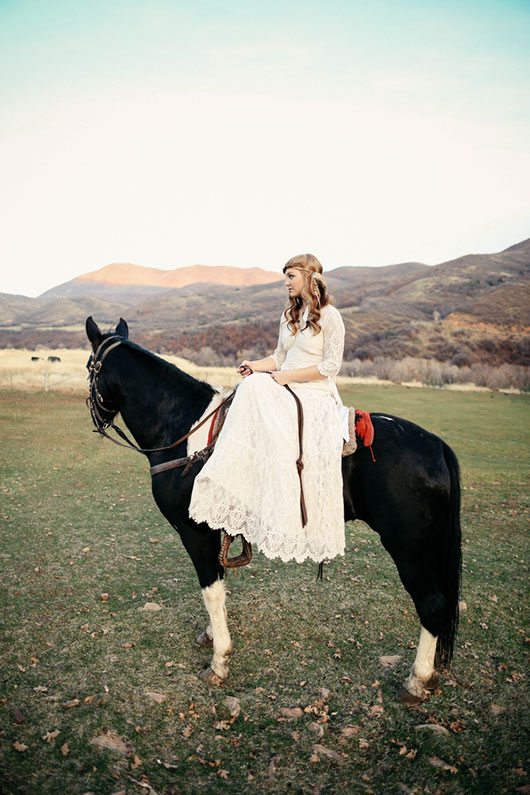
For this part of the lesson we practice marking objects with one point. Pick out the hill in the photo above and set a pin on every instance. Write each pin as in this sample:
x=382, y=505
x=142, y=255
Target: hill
x=470, y=310
x=129, y=283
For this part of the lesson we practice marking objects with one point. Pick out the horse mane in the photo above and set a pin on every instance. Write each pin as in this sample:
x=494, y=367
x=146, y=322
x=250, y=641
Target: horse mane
x=168, y=372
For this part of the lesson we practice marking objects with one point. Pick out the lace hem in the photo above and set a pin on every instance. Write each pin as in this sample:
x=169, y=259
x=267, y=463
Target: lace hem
x=226, y=512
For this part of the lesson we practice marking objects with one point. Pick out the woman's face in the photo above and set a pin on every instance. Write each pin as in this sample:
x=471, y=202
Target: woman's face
x=294, y=281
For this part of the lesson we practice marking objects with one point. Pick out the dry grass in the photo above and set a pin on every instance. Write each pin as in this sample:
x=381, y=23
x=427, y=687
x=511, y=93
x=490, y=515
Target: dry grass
x=17, y=371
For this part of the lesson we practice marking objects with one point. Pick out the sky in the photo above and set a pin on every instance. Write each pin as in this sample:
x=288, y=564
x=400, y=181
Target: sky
x=243, y=132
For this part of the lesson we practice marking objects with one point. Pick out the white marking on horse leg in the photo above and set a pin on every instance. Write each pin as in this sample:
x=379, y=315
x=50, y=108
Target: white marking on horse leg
x=424, y=663
x=214, y=599
x=423, y=667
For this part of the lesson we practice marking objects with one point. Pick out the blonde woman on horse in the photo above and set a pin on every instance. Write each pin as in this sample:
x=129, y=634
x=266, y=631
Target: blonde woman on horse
x=251, y=485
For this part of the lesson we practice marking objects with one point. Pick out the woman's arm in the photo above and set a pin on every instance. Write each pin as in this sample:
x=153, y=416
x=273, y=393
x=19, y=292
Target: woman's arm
x=258, y=366
x=301, y=375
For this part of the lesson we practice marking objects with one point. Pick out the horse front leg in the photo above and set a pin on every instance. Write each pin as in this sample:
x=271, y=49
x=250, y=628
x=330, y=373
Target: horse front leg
x=422, y=679
x=214, y=596
x=203, y=546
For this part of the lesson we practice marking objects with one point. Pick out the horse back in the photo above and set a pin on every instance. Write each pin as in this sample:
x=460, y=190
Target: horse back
x=411, y=477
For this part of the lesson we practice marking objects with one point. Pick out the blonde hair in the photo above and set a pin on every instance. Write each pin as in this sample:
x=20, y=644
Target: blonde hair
x=314, y=293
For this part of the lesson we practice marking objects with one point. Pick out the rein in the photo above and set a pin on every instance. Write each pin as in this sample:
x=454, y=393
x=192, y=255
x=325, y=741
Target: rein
x=299, y=461
x=98, y=409
x=96, y=405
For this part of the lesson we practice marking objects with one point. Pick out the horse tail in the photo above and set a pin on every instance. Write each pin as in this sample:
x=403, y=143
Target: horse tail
x=450, y=562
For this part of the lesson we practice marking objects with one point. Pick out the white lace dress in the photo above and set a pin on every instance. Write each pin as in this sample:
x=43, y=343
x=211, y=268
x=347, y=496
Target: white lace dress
x=250, y=484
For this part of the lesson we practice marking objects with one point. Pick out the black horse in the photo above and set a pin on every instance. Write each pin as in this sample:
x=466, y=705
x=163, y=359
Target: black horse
x=410, y=496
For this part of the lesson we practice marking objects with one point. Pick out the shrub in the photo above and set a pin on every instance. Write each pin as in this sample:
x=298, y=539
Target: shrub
x=436, y=373
x=460, y=359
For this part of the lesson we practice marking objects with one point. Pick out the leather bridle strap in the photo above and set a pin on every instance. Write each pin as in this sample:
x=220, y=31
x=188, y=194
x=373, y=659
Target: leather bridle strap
x=107, y=350
x=95, y=401
x=102, y=424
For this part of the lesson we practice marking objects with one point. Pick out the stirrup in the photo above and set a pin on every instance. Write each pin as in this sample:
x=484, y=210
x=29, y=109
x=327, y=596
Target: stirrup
x=241, y=560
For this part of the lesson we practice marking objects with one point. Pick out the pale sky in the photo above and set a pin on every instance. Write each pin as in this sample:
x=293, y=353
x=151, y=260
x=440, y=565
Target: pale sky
x=238, y=132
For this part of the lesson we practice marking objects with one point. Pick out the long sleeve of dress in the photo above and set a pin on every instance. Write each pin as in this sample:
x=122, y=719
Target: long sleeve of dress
x=280, y=353
x=334, y=332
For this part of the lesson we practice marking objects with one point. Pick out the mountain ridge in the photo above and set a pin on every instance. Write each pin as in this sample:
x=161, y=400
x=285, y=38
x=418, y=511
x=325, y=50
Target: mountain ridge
x=127, y=275
x=442, y=311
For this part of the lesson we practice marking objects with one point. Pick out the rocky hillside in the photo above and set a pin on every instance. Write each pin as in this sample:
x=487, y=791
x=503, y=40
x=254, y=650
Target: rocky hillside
x=474, y=309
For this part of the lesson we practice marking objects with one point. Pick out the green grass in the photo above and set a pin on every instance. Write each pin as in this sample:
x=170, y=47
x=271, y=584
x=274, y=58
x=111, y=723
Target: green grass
x=78, y=520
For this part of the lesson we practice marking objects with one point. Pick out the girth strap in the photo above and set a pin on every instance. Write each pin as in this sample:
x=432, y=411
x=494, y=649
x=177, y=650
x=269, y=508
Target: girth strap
x=219, y=414
x=186, y=463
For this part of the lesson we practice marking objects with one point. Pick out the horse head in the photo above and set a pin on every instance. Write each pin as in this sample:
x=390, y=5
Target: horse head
x=103, y=397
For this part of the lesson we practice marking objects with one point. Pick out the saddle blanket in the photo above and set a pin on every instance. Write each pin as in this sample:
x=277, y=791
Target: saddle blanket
x=359, y=425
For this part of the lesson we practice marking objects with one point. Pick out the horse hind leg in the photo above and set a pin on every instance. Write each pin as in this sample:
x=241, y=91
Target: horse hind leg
x=431, y=608
x=423, y=678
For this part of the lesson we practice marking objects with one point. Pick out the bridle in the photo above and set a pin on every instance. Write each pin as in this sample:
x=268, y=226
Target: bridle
x=102, y=416
x=103, y=411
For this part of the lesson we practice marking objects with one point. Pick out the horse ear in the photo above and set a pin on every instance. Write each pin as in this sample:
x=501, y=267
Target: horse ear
x=92, y=331
x=122, y=328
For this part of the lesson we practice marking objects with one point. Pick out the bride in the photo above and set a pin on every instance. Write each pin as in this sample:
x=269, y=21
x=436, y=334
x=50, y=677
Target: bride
x=250, y=484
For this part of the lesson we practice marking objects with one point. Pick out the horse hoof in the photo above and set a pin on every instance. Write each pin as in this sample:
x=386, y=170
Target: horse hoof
x=210, y=677
x=407, y=698
x=432, y=683
x=203, y=639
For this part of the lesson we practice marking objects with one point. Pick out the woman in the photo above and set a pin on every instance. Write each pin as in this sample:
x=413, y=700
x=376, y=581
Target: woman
x=250, y=485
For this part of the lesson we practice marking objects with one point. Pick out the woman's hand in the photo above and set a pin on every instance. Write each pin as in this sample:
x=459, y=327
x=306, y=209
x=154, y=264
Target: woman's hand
x=281, y=377
x=245, y=368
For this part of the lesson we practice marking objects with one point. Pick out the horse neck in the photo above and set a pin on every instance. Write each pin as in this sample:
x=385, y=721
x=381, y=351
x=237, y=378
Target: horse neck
x=158, y=404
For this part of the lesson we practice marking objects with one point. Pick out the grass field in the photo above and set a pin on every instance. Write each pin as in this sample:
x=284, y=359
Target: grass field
x=317, y=705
